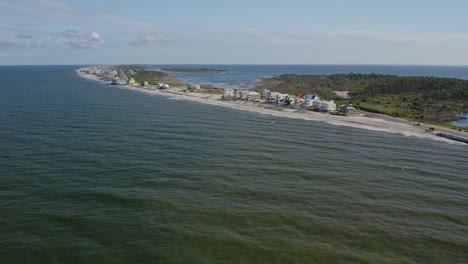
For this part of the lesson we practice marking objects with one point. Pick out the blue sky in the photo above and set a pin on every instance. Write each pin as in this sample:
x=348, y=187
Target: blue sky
x=234, y=32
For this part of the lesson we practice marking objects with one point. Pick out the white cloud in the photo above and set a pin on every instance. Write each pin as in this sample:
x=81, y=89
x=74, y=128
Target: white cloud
x=66, y=39
x=75, y=39
x=150, y=41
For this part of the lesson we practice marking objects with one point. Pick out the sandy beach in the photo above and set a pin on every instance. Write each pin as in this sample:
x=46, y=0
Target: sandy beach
x=364, y=120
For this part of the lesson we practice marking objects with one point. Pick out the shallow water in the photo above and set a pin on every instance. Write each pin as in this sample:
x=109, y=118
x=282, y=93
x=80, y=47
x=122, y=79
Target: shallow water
x=462, y=122
x=246, y=75
x=91, y=173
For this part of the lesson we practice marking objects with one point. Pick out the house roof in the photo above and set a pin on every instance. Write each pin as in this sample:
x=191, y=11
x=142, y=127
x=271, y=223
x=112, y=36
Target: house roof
x=311, y=96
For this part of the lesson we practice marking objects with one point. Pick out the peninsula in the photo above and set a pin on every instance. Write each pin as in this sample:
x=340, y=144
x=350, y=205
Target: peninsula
x=342, y=93
x=200, y=70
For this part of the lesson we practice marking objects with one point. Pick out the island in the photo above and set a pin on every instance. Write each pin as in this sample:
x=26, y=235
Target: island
x=412, y=106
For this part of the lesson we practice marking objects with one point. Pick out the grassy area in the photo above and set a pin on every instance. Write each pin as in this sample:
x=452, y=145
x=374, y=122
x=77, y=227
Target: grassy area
x=142, y=74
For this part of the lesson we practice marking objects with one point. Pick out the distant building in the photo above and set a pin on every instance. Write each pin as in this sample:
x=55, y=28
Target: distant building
x=314, y=105
x=327, y=106
x=238, y=94
x=291, y=100
x=271, y=98
x=309, y=100
x=228, y=92
x=348, y=109
x=311, y=97
x=266, y=93
x=118, y=81
x=254, y=96
x=281, y=99
x=194, y=87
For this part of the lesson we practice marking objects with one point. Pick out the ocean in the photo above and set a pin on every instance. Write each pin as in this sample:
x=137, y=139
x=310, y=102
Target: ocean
x=93, y=173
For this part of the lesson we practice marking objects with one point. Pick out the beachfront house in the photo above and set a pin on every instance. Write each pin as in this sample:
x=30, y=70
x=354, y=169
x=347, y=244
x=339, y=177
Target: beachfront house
x=299, y=99
x=266, y=93
x=271, y=99
x=244, y=94
x=323, y=106
x=282, y=99
x=348, y=109
x=327, y=106
x=194, y=87
x=237, y=94
x=118, y=81
x=314, y=105
x=309, y=100
x=291, y=100
x=228, y=93
x=254, y=96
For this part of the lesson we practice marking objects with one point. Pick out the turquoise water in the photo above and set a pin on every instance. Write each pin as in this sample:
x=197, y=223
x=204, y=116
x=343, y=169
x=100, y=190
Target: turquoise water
x=91, y=173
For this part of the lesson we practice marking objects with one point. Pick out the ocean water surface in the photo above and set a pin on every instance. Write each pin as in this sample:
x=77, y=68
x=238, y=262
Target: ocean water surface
x=91, y=173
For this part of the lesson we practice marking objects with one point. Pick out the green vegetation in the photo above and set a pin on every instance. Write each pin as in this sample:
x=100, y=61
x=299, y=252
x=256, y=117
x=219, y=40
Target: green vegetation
x=324, y=85
x=426, y=99
x=207, y=70
x=418, y=98
x=142, y=74
x=209, y=89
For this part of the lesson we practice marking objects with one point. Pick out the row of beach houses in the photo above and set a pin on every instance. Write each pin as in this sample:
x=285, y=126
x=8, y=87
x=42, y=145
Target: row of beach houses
x=308, y=101
x=131, y=81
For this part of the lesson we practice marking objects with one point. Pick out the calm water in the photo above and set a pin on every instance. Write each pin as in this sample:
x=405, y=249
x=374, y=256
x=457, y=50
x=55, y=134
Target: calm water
x=91, y=173
x=247, y=74
x=462, y=122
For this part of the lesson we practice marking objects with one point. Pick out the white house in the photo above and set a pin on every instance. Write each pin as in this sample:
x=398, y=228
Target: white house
x=237, y=94
x=266, y=93
x=271, y=97
x=253, y=96
x=327, y=106
x=292, y=100
x=245, y=94
x=348, y=109
x=313, y=104
x=228, y=92
x=309, y=99
x=281, y=99
x=194, y=87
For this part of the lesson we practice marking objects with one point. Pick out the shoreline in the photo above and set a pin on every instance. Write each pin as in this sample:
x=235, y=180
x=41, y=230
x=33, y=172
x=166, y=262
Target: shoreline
x=364, y=120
